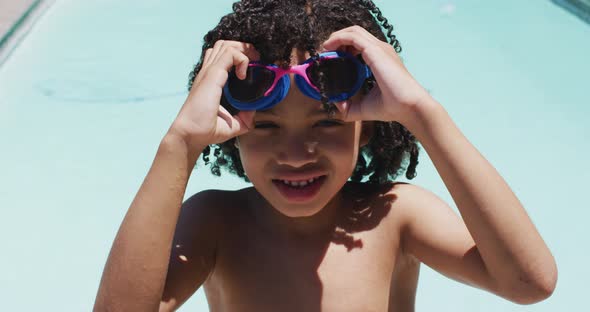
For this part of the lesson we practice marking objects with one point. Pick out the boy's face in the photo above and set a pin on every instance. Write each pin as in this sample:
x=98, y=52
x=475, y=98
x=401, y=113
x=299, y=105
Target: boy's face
x=296, y=140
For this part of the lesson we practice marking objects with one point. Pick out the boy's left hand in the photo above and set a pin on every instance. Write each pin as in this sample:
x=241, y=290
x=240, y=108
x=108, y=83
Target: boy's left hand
x=396, y=93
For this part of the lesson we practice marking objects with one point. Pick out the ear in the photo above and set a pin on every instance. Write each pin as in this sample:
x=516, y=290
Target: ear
x=367, y=130
x=236, y=143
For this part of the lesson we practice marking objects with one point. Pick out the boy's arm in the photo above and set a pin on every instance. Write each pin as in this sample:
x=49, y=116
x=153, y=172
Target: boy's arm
x=497, y=247
x=135, y=271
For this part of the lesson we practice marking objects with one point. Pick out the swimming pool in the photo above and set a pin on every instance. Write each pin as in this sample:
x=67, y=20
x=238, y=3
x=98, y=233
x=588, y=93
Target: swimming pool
x=86, y=98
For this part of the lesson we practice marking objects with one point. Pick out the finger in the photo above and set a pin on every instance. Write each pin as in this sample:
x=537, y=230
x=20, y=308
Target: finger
x=240, y=61
x=242, y=54
x=224, y=122
x=224, y=114
x=244, y=47
x=369, y=105
x=359, y=31
x=217, y=46
x=343, y=109
x=226, y=60
x=350, y=110
x=225, y=55
x=352, y=39
x=355, y=110
x=248, y=49
x=232, y=126
x=346, y=48
x=204, y=65
x=347, y=108
x=246, y=120
x=207, y=56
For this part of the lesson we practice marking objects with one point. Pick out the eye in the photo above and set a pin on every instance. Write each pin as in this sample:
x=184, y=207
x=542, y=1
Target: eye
x=329, y=123
x=265, y=125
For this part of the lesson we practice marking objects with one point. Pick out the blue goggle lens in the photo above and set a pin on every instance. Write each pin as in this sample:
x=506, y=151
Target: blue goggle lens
x=340, y=75
x=258, y=81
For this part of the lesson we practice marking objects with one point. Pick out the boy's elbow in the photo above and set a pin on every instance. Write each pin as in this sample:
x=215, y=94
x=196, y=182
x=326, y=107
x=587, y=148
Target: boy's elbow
x=532, y=296
x=533, y=291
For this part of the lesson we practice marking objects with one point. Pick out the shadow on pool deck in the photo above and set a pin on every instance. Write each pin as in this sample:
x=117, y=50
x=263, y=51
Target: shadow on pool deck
x=16, y=19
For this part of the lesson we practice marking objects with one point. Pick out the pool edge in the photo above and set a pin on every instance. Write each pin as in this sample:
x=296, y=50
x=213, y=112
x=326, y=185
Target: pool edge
x=10, y=39
x=581, y=9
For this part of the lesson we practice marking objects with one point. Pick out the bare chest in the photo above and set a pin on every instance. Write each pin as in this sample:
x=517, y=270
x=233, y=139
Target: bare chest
x=341, y=271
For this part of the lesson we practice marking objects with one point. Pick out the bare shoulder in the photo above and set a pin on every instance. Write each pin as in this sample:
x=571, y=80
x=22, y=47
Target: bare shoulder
x=194, y=247
x=211, y=203
x=408, y=198
x=396, y=198
x=204, y=215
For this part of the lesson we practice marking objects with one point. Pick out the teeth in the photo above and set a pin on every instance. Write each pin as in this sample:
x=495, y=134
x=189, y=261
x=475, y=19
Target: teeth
x=299, y=183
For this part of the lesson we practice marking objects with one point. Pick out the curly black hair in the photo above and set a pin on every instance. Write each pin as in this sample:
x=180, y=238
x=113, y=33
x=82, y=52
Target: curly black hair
x=275, y=27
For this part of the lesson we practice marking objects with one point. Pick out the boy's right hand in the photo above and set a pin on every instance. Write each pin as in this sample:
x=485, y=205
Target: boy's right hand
x=201, y=120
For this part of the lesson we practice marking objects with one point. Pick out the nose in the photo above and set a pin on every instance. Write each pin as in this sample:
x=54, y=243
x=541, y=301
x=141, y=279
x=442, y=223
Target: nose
x=297, y=152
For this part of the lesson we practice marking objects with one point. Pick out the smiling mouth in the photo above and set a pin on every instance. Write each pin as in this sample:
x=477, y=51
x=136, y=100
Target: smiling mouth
x=299, y=190
x=299, y=183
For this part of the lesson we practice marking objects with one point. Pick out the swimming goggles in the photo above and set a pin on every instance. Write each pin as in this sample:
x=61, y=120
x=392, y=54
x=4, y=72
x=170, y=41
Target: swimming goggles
x=267, y=84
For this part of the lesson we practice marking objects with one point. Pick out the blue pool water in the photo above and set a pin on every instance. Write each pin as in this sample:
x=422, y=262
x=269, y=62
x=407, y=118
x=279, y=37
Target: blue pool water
x=87, y=96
